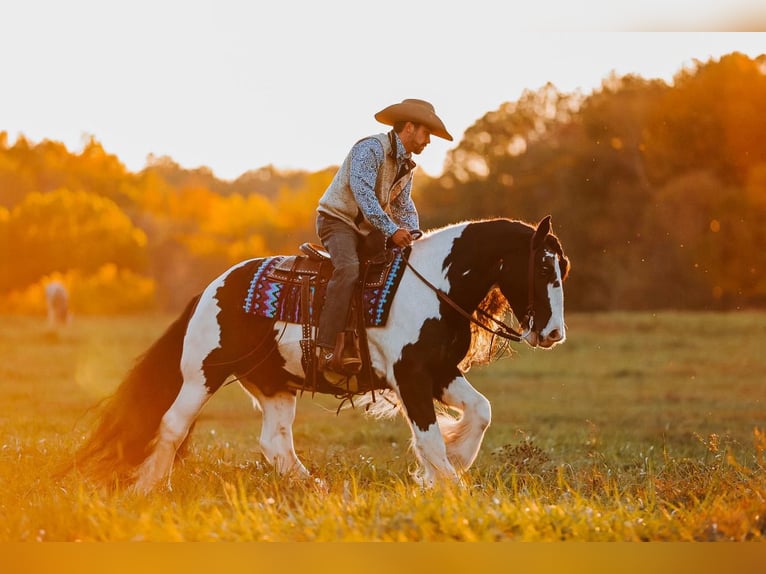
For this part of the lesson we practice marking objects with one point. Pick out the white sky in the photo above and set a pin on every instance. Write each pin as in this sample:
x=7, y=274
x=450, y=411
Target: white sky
x=237, y=85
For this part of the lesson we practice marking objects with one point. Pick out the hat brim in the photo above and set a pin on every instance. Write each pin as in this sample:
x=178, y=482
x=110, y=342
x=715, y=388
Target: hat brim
x=414, y=113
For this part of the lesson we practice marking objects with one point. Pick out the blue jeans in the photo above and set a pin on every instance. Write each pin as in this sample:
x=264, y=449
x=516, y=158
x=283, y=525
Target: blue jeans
x=341, y=241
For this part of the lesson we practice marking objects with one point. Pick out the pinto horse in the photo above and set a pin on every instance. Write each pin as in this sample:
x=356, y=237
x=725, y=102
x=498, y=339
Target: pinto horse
x=457, y=279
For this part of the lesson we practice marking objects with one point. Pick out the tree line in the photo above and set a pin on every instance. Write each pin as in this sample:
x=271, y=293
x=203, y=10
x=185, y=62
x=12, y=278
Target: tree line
x=657, y=191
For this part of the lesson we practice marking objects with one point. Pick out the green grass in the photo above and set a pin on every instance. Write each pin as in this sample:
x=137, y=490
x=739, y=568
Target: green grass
x=640, y=427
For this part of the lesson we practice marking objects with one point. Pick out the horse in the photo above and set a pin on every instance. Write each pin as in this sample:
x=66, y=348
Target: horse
x=57, y=304
x=457, y=281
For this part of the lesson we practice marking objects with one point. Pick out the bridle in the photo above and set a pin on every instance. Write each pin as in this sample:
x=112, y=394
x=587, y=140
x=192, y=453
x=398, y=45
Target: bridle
x=504, y=331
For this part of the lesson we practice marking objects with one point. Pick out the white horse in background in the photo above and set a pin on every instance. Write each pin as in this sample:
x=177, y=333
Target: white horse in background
x=57, y=303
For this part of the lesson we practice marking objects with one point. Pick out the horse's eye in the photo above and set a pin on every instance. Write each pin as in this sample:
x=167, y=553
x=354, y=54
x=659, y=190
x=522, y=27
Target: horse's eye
x=546, y=271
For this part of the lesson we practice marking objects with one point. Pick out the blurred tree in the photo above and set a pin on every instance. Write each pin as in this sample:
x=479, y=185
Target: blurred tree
x=16, y=178
x=64, y=230
x=603, y=190
x=490, y=172
x=295, y=209
x=267, y=181
x=48, y=166
x=609, y=166
x=706, y=252
x=711, y=120
x=96, y=171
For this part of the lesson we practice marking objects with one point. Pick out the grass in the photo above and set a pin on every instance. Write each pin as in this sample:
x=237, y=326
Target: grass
x=640, y=427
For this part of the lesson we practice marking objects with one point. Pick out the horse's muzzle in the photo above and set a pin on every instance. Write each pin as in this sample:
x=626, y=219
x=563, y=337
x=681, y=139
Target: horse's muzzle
x=534, y=339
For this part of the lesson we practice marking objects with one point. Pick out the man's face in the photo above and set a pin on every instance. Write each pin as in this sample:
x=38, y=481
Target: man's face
x=416, y=138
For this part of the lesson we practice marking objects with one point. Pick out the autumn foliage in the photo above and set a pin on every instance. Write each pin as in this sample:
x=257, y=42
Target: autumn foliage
x=658, y=192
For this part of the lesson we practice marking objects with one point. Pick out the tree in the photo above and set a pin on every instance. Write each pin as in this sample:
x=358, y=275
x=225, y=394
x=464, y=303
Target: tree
x=711, y=120
x=707, y=252
x=609, y=167
x=68, y=230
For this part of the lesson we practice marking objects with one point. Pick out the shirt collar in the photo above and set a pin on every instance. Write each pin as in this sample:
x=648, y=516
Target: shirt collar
x=401, y=153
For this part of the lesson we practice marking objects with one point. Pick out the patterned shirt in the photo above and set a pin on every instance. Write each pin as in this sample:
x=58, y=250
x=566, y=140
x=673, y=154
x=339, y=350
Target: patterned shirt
x=366, y=158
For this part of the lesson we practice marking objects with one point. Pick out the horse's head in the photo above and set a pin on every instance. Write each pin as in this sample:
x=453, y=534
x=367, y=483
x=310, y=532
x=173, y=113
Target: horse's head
x=537, y=296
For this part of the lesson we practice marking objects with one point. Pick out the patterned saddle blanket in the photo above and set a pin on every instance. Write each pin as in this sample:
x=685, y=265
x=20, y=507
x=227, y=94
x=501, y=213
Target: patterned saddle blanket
x=275, y=289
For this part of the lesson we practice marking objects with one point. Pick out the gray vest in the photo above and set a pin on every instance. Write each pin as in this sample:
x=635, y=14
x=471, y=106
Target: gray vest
x=338, y=200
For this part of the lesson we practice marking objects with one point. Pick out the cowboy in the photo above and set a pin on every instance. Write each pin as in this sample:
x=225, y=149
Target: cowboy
x=369, y=194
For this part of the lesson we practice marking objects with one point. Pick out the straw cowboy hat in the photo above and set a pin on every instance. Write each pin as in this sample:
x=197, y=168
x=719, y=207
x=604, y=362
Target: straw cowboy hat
x=415, y=111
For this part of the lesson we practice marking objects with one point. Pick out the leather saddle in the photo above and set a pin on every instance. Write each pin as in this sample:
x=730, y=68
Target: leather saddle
x=292, y=288
x=316, y=265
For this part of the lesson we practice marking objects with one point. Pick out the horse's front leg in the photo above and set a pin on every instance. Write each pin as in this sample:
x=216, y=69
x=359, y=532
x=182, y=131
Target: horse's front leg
x=464, y=435
x=427, y=441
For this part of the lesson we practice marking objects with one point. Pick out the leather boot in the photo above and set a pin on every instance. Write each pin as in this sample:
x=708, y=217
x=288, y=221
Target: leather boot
x=343, y=359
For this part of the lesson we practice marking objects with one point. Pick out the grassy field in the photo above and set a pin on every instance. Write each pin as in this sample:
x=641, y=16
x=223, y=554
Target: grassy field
x=640, y=427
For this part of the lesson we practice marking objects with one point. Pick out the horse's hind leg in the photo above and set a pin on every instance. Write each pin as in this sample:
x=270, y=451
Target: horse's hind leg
x=174, y=428
x=276, y=440
x=464, y=435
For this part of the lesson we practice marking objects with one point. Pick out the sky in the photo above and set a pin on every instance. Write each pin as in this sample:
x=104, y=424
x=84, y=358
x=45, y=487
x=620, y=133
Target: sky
x=239, y=85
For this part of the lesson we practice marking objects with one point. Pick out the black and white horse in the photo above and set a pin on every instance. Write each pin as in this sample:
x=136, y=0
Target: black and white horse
x=418, y=356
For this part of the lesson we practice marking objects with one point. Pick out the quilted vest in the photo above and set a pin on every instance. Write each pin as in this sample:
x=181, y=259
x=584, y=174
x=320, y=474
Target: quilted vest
x=338, y=200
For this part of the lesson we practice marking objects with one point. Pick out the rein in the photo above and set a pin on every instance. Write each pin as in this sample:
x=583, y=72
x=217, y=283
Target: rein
x=505, y=331
x=529, y=316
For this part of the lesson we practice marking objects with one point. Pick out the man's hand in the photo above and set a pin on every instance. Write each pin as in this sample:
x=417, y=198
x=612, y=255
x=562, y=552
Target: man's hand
x=402, y=238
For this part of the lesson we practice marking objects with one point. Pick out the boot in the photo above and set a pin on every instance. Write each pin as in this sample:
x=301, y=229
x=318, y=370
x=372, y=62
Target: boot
x=344, y=358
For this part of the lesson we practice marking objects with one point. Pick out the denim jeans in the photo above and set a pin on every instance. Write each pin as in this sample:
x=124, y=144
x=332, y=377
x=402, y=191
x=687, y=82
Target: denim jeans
x=341, y=241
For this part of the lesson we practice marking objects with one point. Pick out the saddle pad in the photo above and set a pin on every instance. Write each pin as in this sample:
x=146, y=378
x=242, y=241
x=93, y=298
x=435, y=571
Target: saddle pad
x=272, y=297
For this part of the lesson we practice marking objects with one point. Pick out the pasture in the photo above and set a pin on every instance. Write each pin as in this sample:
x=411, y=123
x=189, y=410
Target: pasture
x=641, y=426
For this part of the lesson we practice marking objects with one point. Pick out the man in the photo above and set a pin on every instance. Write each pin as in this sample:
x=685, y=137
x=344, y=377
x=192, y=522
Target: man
x=370, y=193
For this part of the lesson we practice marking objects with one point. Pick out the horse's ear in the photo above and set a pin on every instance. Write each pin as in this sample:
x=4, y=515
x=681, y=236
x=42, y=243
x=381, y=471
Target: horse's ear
x=542, y=231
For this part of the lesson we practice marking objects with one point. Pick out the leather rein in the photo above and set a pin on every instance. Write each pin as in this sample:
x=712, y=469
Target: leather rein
x=504, y=331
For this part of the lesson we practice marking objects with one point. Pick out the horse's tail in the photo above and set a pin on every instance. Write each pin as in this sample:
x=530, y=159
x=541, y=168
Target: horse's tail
x=131, y=417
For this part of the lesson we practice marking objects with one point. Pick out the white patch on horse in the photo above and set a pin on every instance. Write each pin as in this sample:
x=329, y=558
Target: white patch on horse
x=556, y=300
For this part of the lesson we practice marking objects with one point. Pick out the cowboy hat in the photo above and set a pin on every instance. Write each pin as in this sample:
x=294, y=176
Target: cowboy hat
x=415, y=111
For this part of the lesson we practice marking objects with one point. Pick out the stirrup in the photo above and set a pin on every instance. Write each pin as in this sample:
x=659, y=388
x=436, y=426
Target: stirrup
x=347, y=366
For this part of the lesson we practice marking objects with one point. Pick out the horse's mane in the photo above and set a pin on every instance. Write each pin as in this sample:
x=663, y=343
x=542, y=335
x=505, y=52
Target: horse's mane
x=486, y=347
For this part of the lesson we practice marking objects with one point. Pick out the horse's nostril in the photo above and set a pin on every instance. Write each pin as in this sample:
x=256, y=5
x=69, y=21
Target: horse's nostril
x=554, y=335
